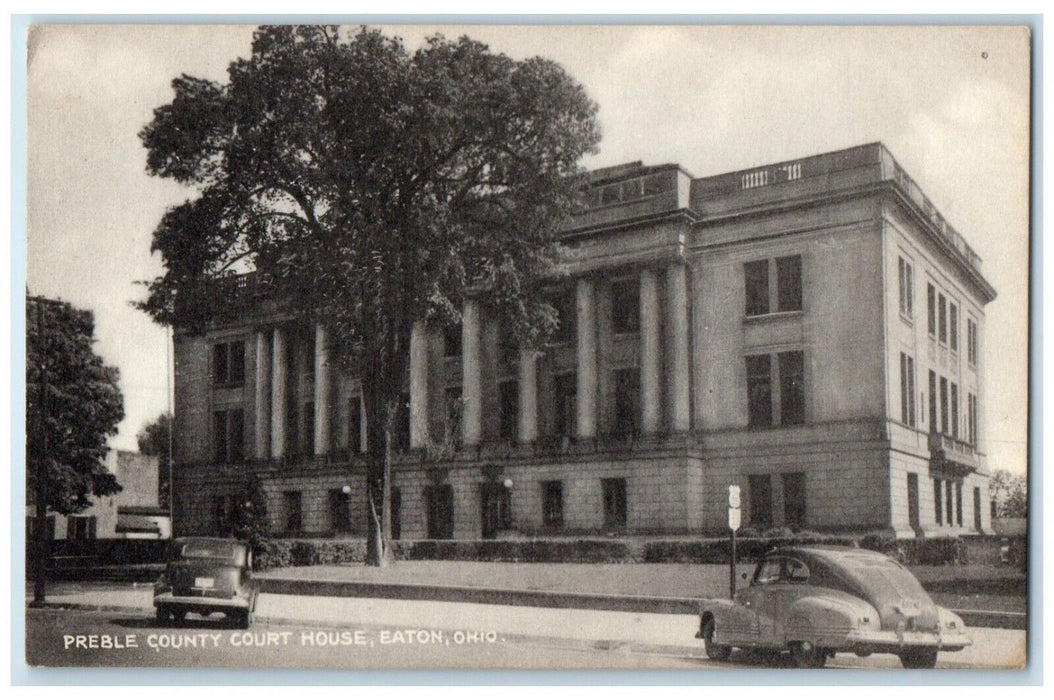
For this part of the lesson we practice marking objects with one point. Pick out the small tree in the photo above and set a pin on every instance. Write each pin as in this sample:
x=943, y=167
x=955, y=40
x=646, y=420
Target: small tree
x=248, y=519
x=155, y=440
x=1010, y=492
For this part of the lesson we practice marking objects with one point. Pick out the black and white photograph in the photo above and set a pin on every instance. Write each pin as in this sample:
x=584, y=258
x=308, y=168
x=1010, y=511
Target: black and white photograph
x=684, y=347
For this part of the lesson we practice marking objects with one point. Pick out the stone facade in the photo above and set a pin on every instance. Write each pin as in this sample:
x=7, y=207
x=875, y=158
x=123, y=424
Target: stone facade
x=769, y=328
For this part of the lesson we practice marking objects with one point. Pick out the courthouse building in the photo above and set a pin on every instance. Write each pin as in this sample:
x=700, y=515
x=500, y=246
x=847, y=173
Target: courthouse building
x=808, y=330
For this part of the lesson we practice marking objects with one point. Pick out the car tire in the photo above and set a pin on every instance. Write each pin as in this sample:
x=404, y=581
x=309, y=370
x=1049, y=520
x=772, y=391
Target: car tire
x=808, y=655
x=717, y=652
x=178, y=617
x=162, y=615
x=919, y=658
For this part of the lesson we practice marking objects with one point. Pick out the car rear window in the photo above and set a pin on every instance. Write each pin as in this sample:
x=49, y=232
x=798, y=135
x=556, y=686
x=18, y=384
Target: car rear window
x=209, y=550
x=881, y=572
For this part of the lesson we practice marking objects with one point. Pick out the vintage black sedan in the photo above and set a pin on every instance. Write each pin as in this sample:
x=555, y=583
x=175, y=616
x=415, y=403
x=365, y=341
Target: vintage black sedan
x=206, y=575
x=816, y=601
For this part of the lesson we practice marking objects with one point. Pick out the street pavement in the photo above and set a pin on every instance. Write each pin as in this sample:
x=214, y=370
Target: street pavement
x=480, y=634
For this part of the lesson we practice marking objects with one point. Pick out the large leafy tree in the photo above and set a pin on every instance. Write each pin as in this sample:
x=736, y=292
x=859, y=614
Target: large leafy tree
x=155, y=439
x=377, y=187
x=73, y=406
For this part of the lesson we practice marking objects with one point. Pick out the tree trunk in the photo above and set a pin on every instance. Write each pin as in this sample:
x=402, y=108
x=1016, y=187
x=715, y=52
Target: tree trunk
x=380, y=417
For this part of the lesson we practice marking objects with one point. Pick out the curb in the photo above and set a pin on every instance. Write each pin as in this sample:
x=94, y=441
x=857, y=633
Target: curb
x=486, y=596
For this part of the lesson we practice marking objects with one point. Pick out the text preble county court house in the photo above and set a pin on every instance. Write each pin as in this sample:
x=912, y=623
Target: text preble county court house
x=808, y=330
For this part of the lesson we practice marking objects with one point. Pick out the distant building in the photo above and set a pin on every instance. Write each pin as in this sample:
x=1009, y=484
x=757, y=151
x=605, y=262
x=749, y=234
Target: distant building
x=809, y=330
x=133, y=513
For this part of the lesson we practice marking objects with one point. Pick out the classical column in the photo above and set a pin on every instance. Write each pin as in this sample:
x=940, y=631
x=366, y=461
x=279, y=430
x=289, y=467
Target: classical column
x=279, y=366
x=263, y=394
x=586, y=323
x=322, y=391
x=677, y=384
x=418, y=385
x=471, y=377
x=528, y=428
x=650, y=353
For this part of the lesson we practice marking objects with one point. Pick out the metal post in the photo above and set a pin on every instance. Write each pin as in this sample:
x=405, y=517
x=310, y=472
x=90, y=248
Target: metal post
x=41, y=469
x=732, y=569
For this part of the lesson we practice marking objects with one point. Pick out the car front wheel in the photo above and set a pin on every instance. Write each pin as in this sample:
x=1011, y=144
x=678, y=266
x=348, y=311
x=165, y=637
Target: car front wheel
x=717, y=652
x=808, y=655
x=919, y=658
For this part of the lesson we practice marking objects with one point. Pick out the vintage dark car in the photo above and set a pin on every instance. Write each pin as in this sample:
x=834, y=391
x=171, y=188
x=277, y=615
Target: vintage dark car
x=206, y=575
x=817, y=601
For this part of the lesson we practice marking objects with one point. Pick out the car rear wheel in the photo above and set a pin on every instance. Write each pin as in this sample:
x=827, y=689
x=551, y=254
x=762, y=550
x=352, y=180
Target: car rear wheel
x=919, y=658
x=162, y=615
x=717, y=652
x=178, y=617
x=807, y=655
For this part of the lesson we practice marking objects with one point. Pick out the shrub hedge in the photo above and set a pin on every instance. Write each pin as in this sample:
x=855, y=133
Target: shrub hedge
x=283, y=553
x=280, y=553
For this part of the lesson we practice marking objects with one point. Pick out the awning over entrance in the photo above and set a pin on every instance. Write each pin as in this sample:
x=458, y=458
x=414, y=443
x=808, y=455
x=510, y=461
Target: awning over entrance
x=137, y=523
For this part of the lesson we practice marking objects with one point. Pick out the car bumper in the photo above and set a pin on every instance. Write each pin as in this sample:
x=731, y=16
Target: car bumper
x=201, y=602
x=884, y=641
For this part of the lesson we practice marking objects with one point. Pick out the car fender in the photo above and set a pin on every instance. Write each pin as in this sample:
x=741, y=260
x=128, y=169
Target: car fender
x=826, y=620
x=732, y=622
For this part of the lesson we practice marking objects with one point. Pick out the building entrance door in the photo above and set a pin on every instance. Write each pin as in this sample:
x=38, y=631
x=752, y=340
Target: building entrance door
x=439, y=502
x=495, y=509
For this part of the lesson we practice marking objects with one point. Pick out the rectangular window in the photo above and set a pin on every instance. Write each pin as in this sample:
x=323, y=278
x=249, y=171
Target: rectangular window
x=759, y=390
x=293, y=521
x=80, y=527
x=971, y=341
x=792, y=387
x=760, y=486
x=454, y=409
x=938, y=506
x=977, y=509
x=339, y=511
x=614, y=502
x=958, y=503
x=625, y=306
x=942, y=319
x=627, y=401
x=553, y=503
x=228, y=363
x=565, y=392
x=228, y=436
x=906, y=280
x=756, y=277
x=971, y=418
x=31, y=528
x=931, y=309
x=955, y=410
x=933, y=401
x=452, y=340
x=564, y=303
x=794, y=501
x=788, y=283
x=907, y=389
x=944, y=405
x=309, y=428
x=508, y=409
x=221, y=513
x=355, y=441
x=949, y=504
x=913, y=501
x=953, y=327
x=401, y=427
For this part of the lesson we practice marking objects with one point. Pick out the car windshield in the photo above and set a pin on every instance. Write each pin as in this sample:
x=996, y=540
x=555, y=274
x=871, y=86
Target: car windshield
x=226, y=551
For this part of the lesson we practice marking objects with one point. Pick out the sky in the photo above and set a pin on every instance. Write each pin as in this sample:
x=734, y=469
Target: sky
x=951, y=103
